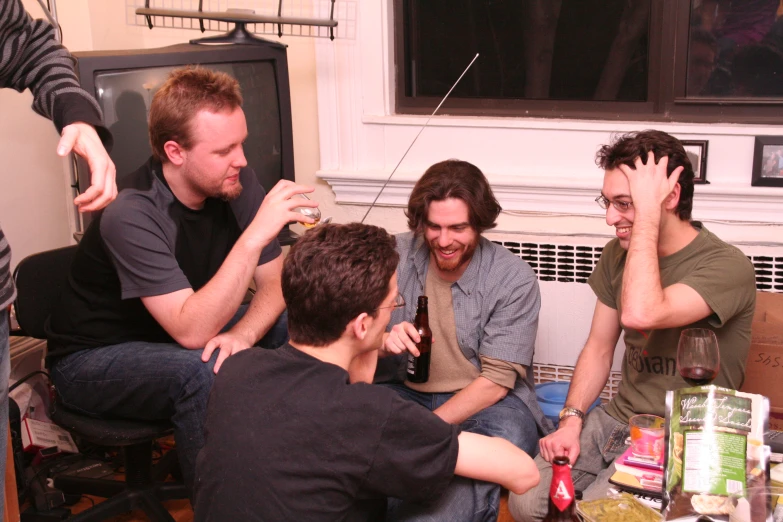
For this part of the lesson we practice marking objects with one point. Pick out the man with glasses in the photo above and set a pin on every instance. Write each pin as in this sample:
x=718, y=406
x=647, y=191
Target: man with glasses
x=483, y=313
x=299, y=433
x=663, y=273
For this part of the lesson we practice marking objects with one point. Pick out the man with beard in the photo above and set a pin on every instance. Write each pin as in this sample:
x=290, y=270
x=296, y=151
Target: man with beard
x=153, y=302
x=317, y=441
x=483, y=312
x=661, y=274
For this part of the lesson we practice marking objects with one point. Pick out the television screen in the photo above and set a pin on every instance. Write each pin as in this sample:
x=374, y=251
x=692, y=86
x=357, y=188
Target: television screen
x=125, y=98
x=124, y=83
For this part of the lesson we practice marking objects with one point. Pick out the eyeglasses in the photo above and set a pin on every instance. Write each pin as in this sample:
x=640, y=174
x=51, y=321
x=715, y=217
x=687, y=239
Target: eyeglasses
x=399, y=302
x=604, y=203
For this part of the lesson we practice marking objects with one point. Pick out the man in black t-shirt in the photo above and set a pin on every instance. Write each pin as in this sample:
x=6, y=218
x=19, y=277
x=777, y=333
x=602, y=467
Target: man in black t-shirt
x=163, y=271
x=299, y=433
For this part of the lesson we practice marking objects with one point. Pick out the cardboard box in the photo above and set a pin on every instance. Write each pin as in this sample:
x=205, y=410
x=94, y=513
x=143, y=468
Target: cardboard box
x=40, y=435
x=764, y=367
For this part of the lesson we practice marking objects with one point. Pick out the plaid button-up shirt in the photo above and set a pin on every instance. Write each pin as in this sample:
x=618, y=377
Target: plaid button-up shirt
x=496, y=304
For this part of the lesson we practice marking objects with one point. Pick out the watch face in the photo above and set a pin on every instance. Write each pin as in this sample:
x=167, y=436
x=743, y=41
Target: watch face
x=571, y=412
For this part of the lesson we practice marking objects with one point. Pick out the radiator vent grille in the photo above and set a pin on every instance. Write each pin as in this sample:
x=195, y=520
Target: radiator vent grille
x=562, y=263
x=551, y=373
x=769, y=273
x=575, y=263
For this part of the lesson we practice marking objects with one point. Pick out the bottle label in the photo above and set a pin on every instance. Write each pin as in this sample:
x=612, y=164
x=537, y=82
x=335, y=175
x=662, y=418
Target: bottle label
x=562, y=489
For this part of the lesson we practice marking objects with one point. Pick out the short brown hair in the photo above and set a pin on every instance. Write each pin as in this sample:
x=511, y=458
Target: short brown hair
x=187, y=91
x=453, y=179
x=331, y=275
x=625, y=148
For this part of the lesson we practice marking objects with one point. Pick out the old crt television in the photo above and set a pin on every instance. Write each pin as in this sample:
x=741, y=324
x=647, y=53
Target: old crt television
x=124, y=83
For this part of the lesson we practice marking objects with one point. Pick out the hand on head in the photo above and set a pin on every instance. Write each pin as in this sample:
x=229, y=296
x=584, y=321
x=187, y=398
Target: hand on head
x=82, y=139
x=649, y=183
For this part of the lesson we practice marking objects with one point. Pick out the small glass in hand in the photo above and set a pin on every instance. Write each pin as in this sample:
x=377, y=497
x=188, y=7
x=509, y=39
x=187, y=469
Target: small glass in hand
x=698, y=358
x=311, y=212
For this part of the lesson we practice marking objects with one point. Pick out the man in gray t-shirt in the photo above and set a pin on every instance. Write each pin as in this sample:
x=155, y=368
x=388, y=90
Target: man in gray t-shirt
x=151, y=309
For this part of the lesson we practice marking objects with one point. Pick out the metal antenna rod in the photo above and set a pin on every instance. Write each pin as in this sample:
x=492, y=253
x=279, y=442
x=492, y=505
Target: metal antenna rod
x=417, y=137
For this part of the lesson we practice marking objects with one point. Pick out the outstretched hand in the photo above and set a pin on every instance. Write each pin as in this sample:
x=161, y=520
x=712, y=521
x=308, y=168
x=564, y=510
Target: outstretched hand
x=649, y=183
x=82, y=139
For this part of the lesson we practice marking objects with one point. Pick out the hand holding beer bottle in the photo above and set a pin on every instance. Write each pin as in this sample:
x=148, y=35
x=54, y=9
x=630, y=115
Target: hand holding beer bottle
x=419, y=367
x=562, y=501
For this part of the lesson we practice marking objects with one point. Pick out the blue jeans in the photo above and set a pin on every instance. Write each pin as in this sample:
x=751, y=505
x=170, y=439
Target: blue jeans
x=602, y=440
x=149, y=381
x=5, y=371
x=467, y=500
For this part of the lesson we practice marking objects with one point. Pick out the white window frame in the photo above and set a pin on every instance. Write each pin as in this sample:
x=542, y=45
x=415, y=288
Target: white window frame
x=534, y=164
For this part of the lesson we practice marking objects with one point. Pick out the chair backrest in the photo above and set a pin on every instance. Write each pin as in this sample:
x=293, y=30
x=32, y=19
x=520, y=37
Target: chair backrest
x=39, y=280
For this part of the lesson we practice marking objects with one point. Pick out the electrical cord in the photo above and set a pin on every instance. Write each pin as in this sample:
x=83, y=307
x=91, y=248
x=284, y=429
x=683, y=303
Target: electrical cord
x=23, y=379
x=61, y=463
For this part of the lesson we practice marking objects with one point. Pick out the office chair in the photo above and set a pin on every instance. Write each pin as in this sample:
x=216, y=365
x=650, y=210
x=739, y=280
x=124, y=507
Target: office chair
x=39, y=280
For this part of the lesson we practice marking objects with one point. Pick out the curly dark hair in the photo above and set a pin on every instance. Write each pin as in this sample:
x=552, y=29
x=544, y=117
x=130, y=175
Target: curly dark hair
x=453, y=179
x=625, y=148
x=331, y=275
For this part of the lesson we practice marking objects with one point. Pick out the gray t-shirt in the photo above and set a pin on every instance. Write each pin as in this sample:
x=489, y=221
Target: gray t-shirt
x=146, y=243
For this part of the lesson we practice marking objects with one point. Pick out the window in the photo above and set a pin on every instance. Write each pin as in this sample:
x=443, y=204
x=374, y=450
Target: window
x=664, y=60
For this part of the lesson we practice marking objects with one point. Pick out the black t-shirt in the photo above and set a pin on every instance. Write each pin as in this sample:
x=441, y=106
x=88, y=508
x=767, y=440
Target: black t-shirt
x=289, y=438
x=146, y=243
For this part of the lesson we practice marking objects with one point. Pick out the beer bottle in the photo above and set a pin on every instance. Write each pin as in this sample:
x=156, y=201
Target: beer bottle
x=419, y=367
x=562, y=502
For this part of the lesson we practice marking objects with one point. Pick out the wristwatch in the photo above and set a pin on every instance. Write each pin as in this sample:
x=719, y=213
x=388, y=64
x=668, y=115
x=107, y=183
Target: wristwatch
x=571, y=412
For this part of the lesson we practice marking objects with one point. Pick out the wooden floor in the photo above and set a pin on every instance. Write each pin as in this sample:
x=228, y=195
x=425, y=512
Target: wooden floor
x=182, y=512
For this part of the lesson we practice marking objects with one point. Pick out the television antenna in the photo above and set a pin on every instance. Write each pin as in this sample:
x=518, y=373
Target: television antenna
x=240, y=18
x=417, y=137
x=51, y=15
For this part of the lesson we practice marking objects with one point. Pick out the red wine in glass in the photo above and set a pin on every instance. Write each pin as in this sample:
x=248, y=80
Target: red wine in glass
x=698, y=357
x=698, y=375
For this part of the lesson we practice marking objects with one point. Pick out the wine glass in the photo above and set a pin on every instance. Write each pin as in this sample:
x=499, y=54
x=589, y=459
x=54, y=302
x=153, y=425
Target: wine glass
x=311, y=212
x=698, y=358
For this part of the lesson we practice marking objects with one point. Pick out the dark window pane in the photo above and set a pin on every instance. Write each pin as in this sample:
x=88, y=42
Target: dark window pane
x=735, y=49
x=530, y=49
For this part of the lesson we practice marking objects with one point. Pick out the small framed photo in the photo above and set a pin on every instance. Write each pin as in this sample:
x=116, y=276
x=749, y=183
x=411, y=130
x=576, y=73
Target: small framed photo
x=697, y=153
x=768, y=162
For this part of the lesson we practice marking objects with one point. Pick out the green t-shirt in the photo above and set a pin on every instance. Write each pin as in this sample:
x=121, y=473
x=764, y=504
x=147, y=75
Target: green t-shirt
x=724, y=277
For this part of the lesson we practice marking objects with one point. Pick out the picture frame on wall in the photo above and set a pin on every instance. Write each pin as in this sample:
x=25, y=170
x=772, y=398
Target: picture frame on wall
x=697, y=153
x=768, y=162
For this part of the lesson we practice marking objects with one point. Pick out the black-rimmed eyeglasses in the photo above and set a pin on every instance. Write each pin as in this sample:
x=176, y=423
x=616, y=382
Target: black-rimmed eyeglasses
x=604, y=203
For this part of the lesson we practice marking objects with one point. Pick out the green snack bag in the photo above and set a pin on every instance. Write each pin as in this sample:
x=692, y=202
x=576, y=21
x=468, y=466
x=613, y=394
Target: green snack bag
x=714, y=449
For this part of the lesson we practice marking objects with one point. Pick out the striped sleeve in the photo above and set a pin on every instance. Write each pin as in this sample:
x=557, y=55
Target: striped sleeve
x=30, y=57
x=7, y=291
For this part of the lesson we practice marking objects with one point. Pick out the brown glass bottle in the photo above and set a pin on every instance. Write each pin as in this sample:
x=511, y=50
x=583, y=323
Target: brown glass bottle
x=562, y=501
x=419, y=367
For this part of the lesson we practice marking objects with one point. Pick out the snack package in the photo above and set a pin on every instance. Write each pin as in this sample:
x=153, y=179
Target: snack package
x=714, y=450
x=621, y=507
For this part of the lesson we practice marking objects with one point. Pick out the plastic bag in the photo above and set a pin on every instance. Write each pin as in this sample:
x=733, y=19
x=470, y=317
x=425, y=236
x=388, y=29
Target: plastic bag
x=714, y=449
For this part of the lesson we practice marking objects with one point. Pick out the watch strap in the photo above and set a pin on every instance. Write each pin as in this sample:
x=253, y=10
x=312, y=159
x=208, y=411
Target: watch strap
x=568, y=411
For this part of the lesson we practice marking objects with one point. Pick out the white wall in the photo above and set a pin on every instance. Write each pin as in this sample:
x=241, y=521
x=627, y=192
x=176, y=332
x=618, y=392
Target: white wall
x=34, y=206
x=542, y=171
